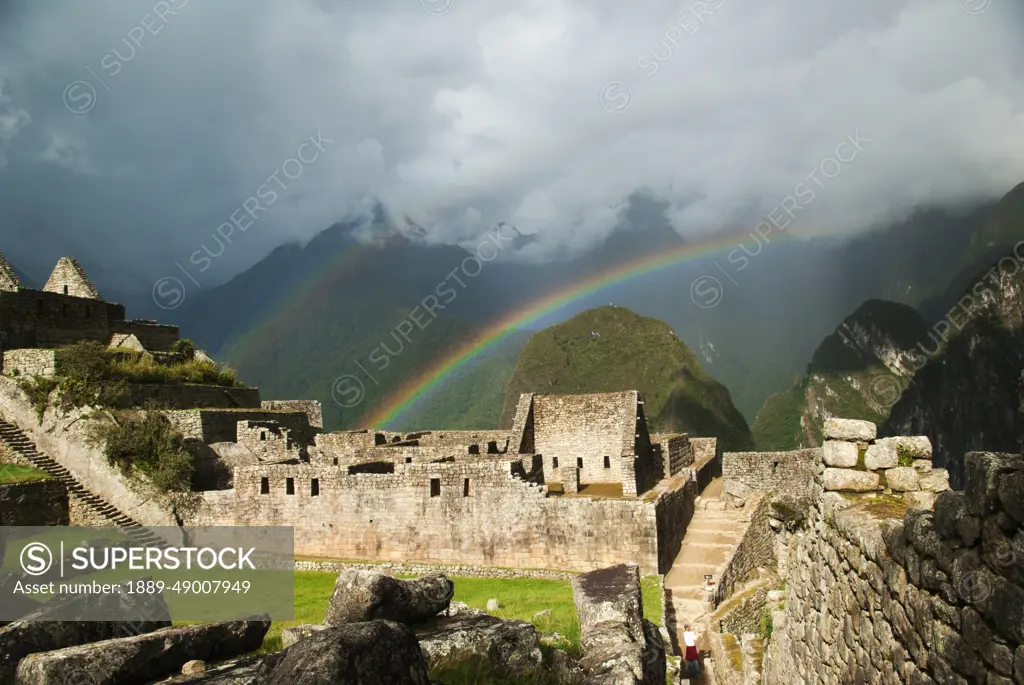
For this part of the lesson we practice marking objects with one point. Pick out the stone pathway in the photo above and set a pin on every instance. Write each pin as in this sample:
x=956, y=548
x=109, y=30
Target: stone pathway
x=713, y=533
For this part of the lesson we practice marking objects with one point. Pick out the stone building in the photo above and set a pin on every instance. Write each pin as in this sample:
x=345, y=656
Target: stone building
x=67, y=310
x=576, y=484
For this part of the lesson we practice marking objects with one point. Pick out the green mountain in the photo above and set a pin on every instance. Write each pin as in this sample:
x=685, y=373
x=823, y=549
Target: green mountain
x=857, y=372
x=612, y=348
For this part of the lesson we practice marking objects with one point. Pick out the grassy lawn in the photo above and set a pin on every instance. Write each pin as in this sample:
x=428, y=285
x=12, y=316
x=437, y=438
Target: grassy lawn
x=14, y=473
x=519, y=598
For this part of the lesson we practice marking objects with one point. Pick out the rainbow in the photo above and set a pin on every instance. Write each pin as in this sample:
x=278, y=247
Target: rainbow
x=397, y=403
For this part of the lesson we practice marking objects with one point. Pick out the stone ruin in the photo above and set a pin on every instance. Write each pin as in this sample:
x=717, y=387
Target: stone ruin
x=581, y=476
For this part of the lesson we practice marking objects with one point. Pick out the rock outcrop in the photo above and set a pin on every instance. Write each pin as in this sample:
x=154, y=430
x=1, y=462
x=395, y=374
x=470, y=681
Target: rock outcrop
x=619, y=646
x=372, y=652
x=145, y=657
x=364, y=595
x=508, y=647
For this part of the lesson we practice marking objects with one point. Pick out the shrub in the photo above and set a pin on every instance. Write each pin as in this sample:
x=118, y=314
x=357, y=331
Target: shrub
x=767, y=625
x=904, y=456
x=38, y=390
x=147, y=445
x=185, y=347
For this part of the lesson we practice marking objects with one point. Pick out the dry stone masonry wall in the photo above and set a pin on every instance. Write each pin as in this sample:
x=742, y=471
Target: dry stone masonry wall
x=879, y=593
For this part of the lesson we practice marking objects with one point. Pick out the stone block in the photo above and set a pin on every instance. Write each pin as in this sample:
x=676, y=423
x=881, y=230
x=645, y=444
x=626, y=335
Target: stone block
x=935, y=481
x=850, y=480
x=840, y=453
x=881, y=456
x=919, y=499
x=1011, y=494
x=850, y=429
x=902, y=479
x=923, y=465
x=914, y=447
x=982, y=471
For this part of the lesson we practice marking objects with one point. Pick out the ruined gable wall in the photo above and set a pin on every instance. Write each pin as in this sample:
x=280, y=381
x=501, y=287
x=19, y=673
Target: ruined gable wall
x=33, y=318
x=676, y=452
x=393, y=517
x=68, y=278
x=704, y=448
x=587, y=427
x=934, y=597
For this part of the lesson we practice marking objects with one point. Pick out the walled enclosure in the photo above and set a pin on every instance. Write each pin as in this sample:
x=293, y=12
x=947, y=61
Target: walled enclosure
x=452, y=513
x=876, y=595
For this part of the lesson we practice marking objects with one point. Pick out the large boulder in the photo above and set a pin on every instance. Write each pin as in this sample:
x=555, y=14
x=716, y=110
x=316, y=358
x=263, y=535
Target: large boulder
x=364, y=595
x=850, y=429
x=50, y=627
x=617, y=645
x=145, y=657
x=507, y=647
x=850, y=480
x=369, y=653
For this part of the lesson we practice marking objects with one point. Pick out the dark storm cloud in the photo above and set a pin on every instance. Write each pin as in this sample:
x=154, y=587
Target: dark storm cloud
x=132, y=133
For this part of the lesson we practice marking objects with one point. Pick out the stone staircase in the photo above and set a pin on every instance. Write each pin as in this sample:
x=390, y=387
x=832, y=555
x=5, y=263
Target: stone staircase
x=15, y=439
x=713, y=533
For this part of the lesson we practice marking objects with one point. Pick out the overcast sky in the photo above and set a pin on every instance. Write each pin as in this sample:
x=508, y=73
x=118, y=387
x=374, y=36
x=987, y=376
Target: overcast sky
x=130, y=131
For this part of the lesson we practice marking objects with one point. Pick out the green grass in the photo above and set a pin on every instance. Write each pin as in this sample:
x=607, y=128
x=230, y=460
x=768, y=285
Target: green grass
x=518, y=598
x=14, y=473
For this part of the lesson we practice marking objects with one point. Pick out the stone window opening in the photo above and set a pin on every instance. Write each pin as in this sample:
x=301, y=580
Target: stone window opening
x=65, y=290
x=408, y=460
x=607, y=462
x=335, y=461
x=435, y=487
x=264, y=486
x=554, y=462
x=775, y=467
x=474, y=449
x=289, y=486
x=314, y=487
x=492, y=447
x=579, y=462
x=263, y=435
x=465, y=488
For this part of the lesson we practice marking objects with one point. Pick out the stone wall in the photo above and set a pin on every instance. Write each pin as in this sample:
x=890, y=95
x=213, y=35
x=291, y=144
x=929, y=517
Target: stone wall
x=782, y=473
x=34, y=318
x=673, y=511
x=36, y=503
x=312, y=408
x=267, y=440
x=154, y=336
x=221, y=425
x=80, y=514
x=29, y=362
x=675, y=451
x=933, y=596
x=595, y=429
x=455, y=571
x=190, y=396
x=756, y=550
x=704, y=448
x=468, y=513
